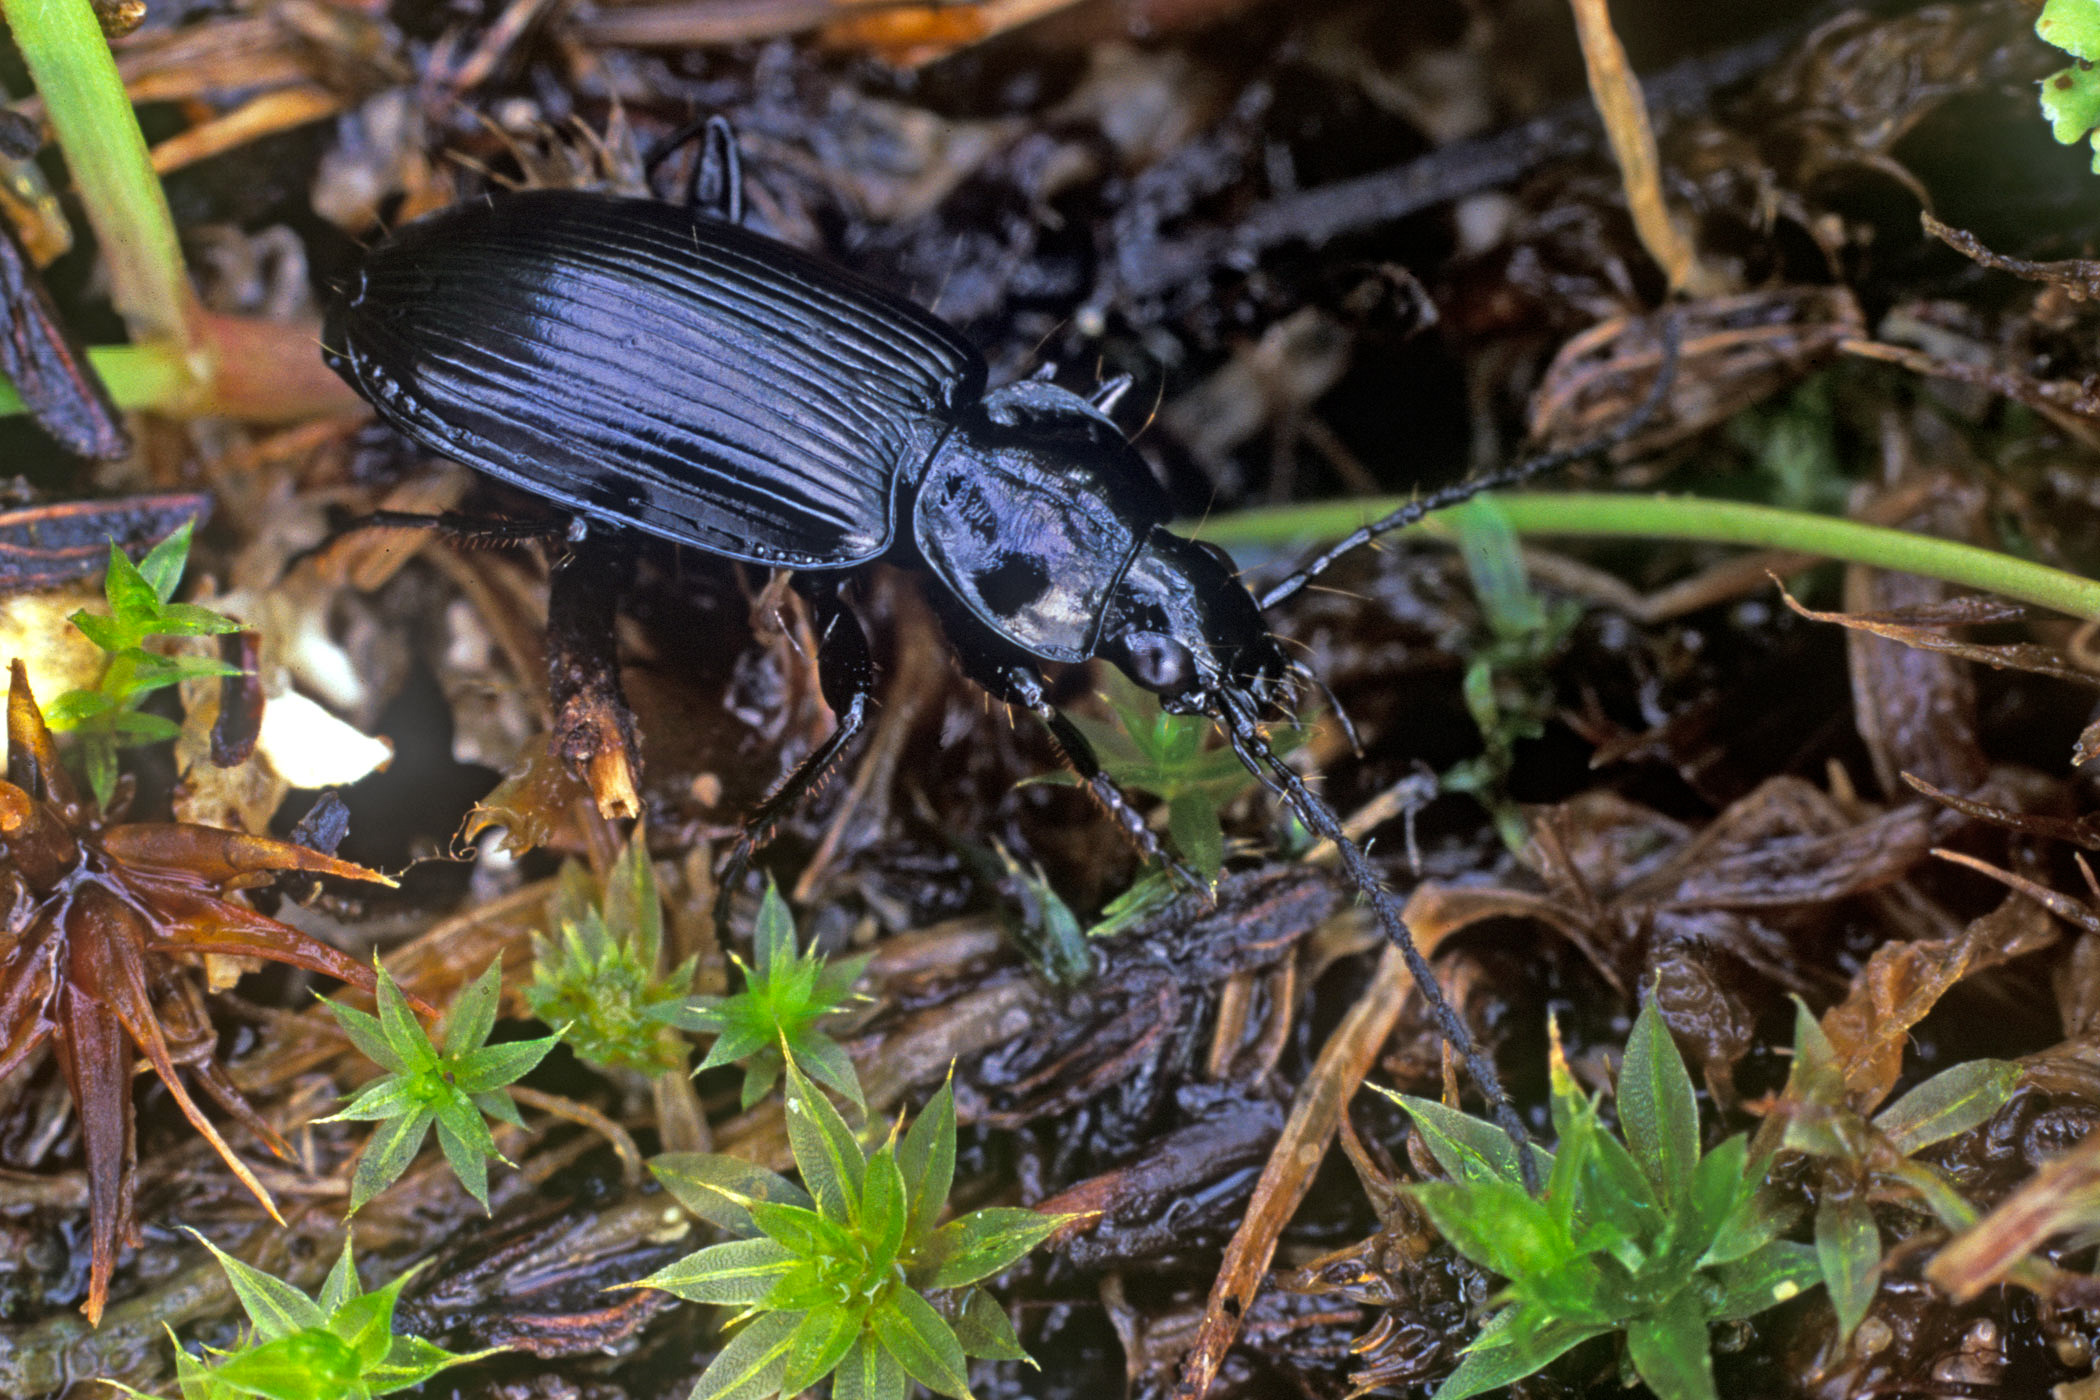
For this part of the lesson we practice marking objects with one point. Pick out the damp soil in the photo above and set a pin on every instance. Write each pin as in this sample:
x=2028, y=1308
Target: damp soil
x=1340, y=246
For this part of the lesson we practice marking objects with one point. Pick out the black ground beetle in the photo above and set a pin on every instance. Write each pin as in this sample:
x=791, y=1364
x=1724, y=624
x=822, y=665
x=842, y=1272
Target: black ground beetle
x=645, y=364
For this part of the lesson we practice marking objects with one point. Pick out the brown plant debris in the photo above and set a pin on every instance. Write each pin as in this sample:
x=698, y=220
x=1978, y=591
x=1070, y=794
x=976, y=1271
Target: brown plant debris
x=103, y=921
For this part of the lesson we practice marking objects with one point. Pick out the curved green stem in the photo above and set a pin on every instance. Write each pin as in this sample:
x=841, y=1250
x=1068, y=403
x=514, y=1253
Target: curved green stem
x=62, y=45
x=137, y=376
x=1697, y=519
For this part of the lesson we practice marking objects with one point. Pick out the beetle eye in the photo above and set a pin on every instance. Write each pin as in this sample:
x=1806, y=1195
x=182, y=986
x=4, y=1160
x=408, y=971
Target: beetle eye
x=1158, y=663
x=1218, y=553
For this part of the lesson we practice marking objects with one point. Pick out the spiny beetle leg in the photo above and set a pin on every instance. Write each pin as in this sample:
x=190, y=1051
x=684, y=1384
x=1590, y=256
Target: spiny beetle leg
x=846, y=673
x=468, y=531
x=1013, y=680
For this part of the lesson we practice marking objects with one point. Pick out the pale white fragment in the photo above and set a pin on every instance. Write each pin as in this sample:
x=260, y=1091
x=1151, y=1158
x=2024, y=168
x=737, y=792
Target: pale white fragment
x=311, y=748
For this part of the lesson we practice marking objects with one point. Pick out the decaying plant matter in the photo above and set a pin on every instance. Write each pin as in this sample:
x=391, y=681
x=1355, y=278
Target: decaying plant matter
x=107, y=923
x=1350, y=251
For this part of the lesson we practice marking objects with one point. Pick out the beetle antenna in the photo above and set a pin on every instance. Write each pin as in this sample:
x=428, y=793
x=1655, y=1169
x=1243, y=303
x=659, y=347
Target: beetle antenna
x=1243, y=732
x=1457, y=492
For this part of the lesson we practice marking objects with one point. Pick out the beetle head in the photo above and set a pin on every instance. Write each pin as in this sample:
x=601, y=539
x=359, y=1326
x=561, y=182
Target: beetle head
x=1183, y=626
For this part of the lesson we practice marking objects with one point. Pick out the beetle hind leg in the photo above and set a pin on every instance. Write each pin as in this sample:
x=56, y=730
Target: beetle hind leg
x=466, y=531
x=846, y=674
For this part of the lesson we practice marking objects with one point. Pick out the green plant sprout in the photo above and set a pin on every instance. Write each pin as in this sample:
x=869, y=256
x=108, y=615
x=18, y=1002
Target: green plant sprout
x=831, y=1276
x=598, y=973
x=2071, y=96
x=1646, y=1236
x=1506, y=688
x=107, y=717
x=773, y=1021
x=1145, y=749
x=340, y=1345
x=425, y=1087
x=1865, y=1160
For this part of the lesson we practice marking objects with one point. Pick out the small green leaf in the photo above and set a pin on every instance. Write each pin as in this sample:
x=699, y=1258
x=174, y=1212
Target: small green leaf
x=365, y=1324
x=983, y=1242
x=494, y=1066
x=275, y=1307
x=1670, y=1351
x=108, y=633
x=131, y=597
x=805, y=1233
x=1950, y=1103
x=473, y=1014
x=985, y=1330
x=1719, y=1187
x=1497, y=1224
x=721, y=1189
x=1467, y=1148
x=1848, y=1254
x=189, y=620
x=391, y=1148
x=1495, y=562
x=468, y=1158
x=1192, y=820
x=828, y=1156
x=926, y=1157
x=773, y=937
x=1947, y=1204
x=923, y=1343
x=2073, y=26
x=306, y=1365
x=412, y=1361
x=883, y=1209
x=738, y=1273
x=1815, y=1077
x=1516, y=1343
x=869, y=1372
x=751, y=1365
x=1775, y=1274
x=826, y=1061
x=632, y=903
x=365, y=1033
x=403, y=1033
x=1758, y=1218
x=819, y=1344
x=341, y=1285
x=161, y=568
x=388, y=1097
x=1657, y=1110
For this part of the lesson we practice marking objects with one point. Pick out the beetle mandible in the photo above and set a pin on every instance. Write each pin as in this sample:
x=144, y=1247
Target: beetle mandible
x=652, y=365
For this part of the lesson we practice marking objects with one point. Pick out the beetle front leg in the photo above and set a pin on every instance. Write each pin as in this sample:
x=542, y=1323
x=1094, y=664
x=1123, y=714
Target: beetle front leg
x=846, y=675
x=1016, y=682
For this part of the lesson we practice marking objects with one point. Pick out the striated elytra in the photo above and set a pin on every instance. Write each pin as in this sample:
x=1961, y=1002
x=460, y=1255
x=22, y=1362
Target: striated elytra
x=649, y=365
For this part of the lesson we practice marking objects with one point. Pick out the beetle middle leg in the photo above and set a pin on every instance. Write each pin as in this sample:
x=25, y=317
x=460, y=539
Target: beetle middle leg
x=846, y=675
